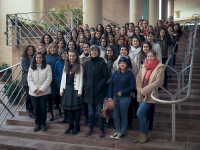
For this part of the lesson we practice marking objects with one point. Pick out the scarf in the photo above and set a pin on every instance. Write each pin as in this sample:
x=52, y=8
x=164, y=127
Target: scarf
x=150, y=67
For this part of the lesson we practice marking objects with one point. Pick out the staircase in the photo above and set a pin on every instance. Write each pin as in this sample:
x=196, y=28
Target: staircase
x=18, y=133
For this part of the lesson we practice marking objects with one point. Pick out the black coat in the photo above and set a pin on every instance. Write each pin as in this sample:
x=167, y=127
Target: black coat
x=25, y=62
x=95, y=76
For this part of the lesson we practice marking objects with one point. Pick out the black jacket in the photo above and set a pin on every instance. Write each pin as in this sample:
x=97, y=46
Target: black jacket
x=95, y=76
x=25, y=62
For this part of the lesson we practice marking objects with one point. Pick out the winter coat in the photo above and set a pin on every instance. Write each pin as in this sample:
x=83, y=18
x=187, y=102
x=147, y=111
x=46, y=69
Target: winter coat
x=25, y=62
x=58, y=70
x=155, y=81
x=95, y=76
x=51, y=60
x=39, y=79
x=166, y=49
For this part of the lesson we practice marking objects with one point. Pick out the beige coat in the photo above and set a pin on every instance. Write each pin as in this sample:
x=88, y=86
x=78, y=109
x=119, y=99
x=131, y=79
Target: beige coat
x=39, y=79
x=155, y=81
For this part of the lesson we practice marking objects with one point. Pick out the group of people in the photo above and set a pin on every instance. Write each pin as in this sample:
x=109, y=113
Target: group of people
x=121, y=64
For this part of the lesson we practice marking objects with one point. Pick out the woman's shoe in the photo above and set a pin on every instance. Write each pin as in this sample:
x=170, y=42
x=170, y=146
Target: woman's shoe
x=139, y=138
x=114, y=135
x=59, y=112
x=76, y=130
x=37, y=128
x=44, y=128
x=89, y=132
x=144, y=139
x=51, y=118
x=32, y=115
x=65, y=121
x=68, y=130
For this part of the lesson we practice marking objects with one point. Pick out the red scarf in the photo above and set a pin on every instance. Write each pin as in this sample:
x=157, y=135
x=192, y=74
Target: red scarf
x=150, y=67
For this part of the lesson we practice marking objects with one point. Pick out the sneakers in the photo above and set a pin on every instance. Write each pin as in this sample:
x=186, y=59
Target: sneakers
x=89, y=132
x=117, y=136
x=114, y=135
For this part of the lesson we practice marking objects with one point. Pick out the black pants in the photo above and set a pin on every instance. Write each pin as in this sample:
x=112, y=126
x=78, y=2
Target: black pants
x=175, y=51
x=134, y=104
x=40, y=108
x=85, y=106
x=166, y=74
x=28, y=100
x=74, y=115
x=151, y=112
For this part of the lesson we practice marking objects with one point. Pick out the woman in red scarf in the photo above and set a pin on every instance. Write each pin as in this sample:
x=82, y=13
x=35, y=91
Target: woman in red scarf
x=150, y=77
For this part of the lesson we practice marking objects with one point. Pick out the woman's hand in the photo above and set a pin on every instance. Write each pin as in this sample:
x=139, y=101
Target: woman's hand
x=108, y=82
x=79, y=95
x=37, y=92
x=119, y=93
x=109, y=99
x=142, y=94
x=61, y=93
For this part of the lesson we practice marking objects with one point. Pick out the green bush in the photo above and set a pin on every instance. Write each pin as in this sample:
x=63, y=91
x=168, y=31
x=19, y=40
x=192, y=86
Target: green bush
x=3, y=66
x=12, y=85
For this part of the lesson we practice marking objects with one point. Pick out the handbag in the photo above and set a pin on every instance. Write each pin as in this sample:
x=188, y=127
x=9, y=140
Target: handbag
x=108, y=106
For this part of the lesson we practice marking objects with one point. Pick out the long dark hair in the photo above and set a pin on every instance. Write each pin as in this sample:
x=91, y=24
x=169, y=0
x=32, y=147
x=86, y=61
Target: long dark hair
x=94, y=39
x=64, y=43
x=114, y=56
x=134, y=31
x=102, y=29
x=179, y=30
x=136, y=37
x=170, y=26
x=76, y=66
x=105, y=32
x=42, y=39
x=143, y=55
x=61, y=34
x=25, y=53
x=34, y=63
x=111, y=34
x=167, y=37
x=148, y=33
x=71, y=38
x=105, y=40
x=74, y=45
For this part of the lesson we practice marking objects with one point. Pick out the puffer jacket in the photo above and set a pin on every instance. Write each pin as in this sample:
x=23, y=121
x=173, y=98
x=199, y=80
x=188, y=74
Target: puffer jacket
x=39, y=79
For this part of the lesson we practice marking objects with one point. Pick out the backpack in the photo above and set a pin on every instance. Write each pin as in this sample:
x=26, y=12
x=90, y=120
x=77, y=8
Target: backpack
x=108, y=106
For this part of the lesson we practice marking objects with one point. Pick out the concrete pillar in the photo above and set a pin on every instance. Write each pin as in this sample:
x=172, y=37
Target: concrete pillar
x=153, y=12
x=135, y=10
x=177, y=14
x=164, y=9
x=171, y=8
x=92, y=12
x=35, y=6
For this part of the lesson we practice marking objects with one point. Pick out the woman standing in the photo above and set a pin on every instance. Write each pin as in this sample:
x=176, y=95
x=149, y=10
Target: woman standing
x=71, y=90
x=155, y=46
x=103, y=45
x=94, y=79
x=39, y=80
x=51, y=59
x=27, y=57
x=166, y=45
x=46, y=40
x=122, y=83
x=150, y=78
x=137, y=32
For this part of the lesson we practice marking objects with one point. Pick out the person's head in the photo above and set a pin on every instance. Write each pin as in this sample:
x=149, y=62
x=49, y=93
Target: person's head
x=42, y=48
x=85, y=27
x=80, y=31
x=136, y=31
x=151, y=56
x=92, y=29
x=163, y=20
x=92, y=34
x=73, y=35
x=61, y=43
x=164, y=34
x=129, y=41
x=81, y=38
x=140, y=23
x=177, y=28
x=136, y=42
x=87, y=34
x=150, y=36
x=150, y=28
x=170, y=28
x=124, y=50
x=110, y=53
x=71, y=45
x=108, y=30
x=103, y=42
x=113, y=26
x=72, y=59
x=127, y=26
x=145, y=24
x=38, y=58
x=60, y=35
x=97, y=34
x=111, y=38
x=86, y=48
x=123, y=31
x=146, y=46
x=46, y=39
x=120, y=39
x=80, y=45
x=170, y=19
x=52, y=49
x=131, y=26
x=29, y=51
x=123, y=65
x=63, y=54
x=117, y=30
x=160, y=23
x=94, y=51
x=100, y=28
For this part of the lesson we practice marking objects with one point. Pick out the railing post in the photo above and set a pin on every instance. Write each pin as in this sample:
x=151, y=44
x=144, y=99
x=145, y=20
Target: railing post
x=78, y=17
x=72, y=21
x=173, y=122
x=7, y=29
x=179, y=88
x=16, y=39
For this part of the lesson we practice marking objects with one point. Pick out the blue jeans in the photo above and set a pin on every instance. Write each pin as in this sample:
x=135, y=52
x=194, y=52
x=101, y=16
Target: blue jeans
x=171, y=65
x=91, y=117
x=141, y=114
x=121, y=109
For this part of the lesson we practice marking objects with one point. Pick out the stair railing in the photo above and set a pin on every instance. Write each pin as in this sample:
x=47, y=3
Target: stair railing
x=105, y=22
x=11, y=88
x=192, y=26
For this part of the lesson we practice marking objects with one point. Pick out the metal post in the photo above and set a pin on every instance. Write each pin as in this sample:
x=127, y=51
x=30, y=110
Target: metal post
x=16, y=30
x=7, y=29
x=173, y=122
x=183, y=74
x=72, y=21
x=179, y=88
x=78, y=17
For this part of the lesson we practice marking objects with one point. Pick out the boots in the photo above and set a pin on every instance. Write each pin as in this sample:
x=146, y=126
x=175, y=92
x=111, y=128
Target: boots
x=51, y=118
x=139, y=138
x=71, y=126
x=32, y=115
x=76, y=129
x=144, y=139
x=59, y=112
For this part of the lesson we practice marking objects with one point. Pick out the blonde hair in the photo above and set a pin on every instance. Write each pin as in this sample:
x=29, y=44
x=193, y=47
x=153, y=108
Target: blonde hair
x=42, y=46
x=50, y=45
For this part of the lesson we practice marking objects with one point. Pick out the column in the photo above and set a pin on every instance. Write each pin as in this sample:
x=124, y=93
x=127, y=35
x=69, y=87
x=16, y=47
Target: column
x=92, y=12
x=153, y=12
x=171, y=7
x=135, y=10
x=145, y=10
x=164, y=9
x=35, y=6
x=177, y=14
